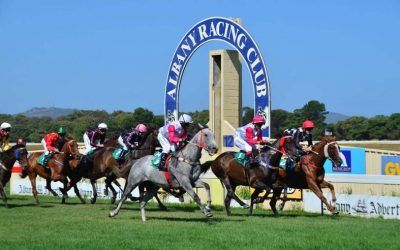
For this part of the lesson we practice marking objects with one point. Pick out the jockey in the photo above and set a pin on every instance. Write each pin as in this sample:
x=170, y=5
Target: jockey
x=248, y=136
x=5, y=129
x=95, y=138
x=302, y=134
x=172, y=134
x=132, y=139
x=50, y=144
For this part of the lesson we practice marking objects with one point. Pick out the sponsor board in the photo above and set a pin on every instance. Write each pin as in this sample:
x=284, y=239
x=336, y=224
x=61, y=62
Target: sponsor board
x=353, y=162
x=20, y=186
x=390, y=165
x=387, y=207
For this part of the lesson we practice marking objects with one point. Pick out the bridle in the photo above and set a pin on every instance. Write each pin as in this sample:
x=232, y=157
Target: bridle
x=326, y=147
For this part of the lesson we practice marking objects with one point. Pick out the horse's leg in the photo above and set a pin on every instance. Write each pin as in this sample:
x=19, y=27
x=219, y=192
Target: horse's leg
x=275, y=196
x=78, y=194
x=94, y=198
x=32, y=178
x=238, y=200
x=284, y=199
x=326, y=184
x=253, y=198
x=151, y=191
x=317, y=191
x=3, y=194
x=109, y=184
x=187, y=185
x=128, y=189
x=48, y=187
x=64, y=190
x=161, y=206
x=201, y=184
x=228, y=197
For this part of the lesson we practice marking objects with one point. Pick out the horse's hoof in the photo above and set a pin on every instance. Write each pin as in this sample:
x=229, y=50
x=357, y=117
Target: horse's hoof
x=63, y=201
x=208, y=209
x=163, y=208
x=111, y=214
x=209, y=215
x=246, y=206
x=112, y=200
x=92, y=201
x=83, y=201
x=280, y=208
x=335, y=212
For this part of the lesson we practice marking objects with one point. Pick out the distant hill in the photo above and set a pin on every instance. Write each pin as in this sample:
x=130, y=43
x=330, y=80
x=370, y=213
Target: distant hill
x=333, y=117
x=53, y=112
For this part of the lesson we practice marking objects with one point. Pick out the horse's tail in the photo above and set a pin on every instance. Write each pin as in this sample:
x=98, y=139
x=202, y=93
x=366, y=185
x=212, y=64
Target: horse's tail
x=124, y=173
x=205, y=166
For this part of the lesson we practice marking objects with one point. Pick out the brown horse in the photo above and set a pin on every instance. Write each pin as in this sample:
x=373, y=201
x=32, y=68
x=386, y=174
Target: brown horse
x=9, y=157
x=59, y=166
x=105, y=165
x=260, y=177
x=309, y=173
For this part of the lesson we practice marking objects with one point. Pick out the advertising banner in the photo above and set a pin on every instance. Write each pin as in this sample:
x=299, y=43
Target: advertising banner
x=387, y=207
x=390, y=165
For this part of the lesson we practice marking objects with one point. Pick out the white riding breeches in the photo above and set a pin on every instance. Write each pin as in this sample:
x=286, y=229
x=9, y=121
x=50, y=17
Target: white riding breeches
x=241, y=144
x=88, y=147
x=121, y=142
x=165, y=144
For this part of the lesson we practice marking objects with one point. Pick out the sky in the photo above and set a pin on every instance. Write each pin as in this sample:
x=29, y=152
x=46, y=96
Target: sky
x=114, y=55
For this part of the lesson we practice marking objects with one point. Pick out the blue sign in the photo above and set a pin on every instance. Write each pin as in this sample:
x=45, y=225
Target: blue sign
x=390, y=165
x=226, y=30
x=346, y=165
x=228, y=141
x=353, y=162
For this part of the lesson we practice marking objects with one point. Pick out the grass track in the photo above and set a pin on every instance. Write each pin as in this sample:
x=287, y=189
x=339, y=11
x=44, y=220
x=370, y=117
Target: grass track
x=75, y=226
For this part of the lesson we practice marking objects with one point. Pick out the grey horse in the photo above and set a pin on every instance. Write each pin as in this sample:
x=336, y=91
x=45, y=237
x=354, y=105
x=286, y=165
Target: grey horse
x=184, y=169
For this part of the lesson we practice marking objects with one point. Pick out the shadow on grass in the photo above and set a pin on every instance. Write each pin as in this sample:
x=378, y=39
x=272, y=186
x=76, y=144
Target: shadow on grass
x=178, y=219
x=10, y=205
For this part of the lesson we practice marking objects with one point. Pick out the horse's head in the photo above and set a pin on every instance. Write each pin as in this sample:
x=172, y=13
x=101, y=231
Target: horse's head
x=151, y=140
x=287, y=145
x=20, y=154
x=331, y=150
x=71, y=149
x=205, y=139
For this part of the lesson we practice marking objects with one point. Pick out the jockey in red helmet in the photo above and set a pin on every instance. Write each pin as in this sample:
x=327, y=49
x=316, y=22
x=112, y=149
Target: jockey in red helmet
x=302, y=134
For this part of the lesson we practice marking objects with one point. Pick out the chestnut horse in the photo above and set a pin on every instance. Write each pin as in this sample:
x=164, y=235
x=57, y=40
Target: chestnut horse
x=104, y=165
x=309, y=173
x=59, y=166
x=260, y=177
x=9, y=157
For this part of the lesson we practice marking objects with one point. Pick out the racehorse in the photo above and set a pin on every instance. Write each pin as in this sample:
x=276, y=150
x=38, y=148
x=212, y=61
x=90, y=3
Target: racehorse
x=59, y=166
x=260, y=177
x=309, y=173
x=184, y=170
x=105, y=165
x=16, y=153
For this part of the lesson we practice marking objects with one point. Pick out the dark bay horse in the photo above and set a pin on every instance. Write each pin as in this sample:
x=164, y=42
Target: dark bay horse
x=59, y=166
x=260, y=177
x=9, y=157
x=105, y=165
x=309, y=173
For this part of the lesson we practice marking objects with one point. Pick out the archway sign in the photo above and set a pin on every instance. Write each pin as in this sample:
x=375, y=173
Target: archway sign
x=226, y=30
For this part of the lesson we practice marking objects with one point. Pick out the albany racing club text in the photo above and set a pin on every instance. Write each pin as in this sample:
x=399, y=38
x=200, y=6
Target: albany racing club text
x=230, y=32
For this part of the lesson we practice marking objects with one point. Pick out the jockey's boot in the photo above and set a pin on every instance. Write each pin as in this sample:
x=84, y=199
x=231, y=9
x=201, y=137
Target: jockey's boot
x=47, y=159
x=161, y=166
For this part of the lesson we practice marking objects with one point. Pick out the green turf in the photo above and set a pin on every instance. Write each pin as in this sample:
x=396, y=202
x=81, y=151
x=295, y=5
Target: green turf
x=75, y=226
